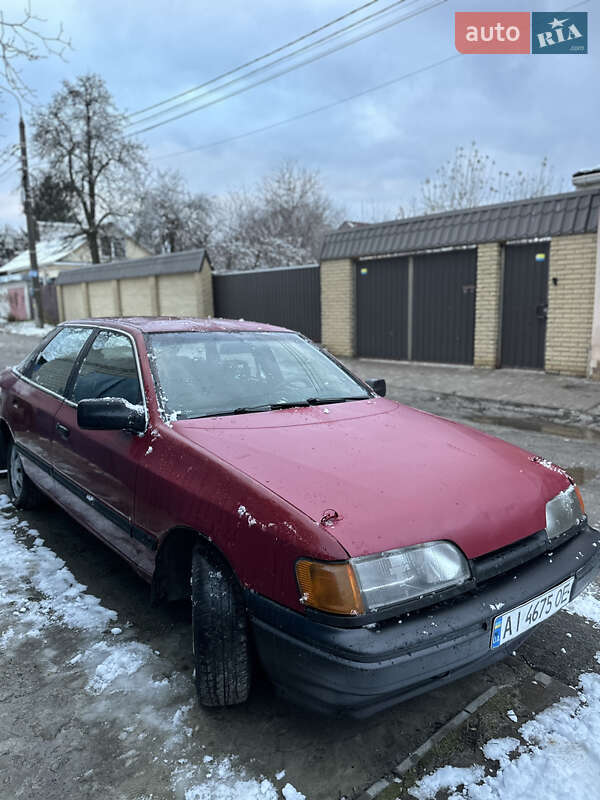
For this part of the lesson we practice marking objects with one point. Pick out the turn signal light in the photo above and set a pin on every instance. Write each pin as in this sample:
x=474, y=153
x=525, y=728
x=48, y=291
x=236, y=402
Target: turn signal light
x=580, y=498
x=330, y=587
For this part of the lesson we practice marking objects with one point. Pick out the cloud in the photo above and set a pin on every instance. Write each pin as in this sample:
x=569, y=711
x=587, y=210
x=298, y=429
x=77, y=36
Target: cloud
x=517, y=108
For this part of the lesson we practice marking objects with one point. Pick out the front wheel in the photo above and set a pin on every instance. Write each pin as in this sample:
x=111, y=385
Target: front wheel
x=24, y=492
x=220, y=633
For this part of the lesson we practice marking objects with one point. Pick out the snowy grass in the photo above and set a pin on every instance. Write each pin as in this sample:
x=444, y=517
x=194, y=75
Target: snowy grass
x=126, y=682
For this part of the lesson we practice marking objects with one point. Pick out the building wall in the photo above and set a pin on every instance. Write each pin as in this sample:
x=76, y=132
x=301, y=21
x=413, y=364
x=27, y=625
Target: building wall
x=488, y=305
x=132, y=250
x=572, y=278
x=338, y=307
x=205, y=290
x=178, y=296
x=104, y=299
x=138, y=296
x=74, y=301
x=594, y=365
x=181, y=295
x=135, y=250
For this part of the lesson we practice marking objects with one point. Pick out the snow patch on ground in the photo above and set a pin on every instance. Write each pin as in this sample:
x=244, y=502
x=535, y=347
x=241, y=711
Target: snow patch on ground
x=128, y=684
x=27, y=328
x=586, y=605
x=559, y=750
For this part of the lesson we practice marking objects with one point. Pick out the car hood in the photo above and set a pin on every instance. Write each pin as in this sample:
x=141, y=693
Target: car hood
x=394, y=476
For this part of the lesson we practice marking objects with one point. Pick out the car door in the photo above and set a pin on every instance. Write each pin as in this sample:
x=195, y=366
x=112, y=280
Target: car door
x=37, y=396
x=95, y=470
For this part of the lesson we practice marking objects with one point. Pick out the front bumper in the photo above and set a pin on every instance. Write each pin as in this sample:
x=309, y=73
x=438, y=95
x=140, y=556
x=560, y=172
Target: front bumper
x=359, y=671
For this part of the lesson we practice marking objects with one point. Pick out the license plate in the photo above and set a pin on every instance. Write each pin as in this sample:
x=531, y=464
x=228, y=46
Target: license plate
x=520, y=619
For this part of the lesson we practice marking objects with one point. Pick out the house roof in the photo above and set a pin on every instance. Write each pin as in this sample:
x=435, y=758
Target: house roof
x=553, y=215
x=166, y=264
x=48, y=251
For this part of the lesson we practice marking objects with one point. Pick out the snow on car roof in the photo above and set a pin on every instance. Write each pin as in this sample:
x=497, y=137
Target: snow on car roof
x=178, y=324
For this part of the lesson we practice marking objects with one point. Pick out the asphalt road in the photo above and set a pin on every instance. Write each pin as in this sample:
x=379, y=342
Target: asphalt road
x=57, y=742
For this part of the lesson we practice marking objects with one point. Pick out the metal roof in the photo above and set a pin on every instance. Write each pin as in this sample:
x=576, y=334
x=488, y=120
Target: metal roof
x=553, y=215
x=167, y=264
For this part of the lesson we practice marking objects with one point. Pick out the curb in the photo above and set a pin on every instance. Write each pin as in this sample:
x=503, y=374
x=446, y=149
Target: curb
x=371, y=792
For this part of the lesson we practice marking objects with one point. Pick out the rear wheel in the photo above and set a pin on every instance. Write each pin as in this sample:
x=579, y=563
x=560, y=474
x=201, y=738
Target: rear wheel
x=220, y=633
x=23, y=491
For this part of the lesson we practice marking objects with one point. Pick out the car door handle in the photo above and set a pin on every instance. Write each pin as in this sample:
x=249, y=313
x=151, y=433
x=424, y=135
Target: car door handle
x=63, y=430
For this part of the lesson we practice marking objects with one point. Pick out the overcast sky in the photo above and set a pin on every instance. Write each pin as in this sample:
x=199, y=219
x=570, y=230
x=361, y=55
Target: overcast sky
x=372, y=152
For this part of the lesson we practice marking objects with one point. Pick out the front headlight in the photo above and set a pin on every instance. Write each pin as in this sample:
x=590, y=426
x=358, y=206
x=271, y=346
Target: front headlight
x=370, y=583
x=564, y=512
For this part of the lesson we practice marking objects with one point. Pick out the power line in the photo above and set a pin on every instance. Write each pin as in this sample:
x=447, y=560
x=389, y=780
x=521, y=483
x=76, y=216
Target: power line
x=312, y=111
x=382, y=12
x=290, y=69
x=254, y=60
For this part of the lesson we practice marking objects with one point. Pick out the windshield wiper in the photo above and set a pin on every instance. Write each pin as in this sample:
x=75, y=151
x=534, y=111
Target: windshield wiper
x=269, y=407
x=321, y=401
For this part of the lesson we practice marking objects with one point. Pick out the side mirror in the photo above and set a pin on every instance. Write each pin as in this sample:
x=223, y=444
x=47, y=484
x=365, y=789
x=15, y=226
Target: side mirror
x=378, y=385
x=110, y=414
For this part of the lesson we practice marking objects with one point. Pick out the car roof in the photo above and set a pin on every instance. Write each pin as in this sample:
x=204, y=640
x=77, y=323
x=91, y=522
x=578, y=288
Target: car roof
x=167, y=324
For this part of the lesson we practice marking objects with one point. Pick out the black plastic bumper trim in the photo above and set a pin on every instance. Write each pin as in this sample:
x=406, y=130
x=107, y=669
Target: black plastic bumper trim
x=361, y=670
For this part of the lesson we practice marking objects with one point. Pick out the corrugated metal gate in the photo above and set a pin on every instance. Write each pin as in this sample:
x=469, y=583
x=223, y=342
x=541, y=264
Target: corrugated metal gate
x=420, y=308
x=525, y=305
x=290, y=297
x=444, y=307
x=382, y=309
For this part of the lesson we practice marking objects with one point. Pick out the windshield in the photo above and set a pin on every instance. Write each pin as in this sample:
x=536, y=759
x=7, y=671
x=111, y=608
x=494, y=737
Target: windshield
x=213, y=373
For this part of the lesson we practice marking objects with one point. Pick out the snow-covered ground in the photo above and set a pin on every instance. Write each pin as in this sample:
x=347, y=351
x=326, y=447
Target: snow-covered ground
x=26, y=328
x=126, y=683
x=132, y=689
x=556, y=756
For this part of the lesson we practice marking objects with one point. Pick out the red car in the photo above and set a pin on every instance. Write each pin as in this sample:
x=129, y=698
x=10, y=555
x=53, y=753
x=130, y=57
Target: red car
x=364, y=550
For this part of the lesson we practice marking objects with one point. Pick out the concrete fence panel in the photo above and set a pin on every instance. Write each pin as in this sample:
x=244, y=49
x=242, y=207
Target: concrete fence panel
x=177, y=284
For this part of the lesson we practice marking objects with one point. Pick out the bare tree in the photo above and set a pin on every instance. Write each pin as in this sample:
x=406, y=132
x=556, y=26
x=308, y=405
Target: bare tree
x=80, y=136
x=12, y=242
x=170, y=217
x=281, y=221
x=22, y=40
x=471, y=178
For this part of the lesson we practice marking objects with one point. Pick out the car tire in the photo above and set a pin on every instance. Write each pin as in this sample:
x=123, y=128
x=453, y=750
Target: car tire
x=220, y=633
x=24, y=493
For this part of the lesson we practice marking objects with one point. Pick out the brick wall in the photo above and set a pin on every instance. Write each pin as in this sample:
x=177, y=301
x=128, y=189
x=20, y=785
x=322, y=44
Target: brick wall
x=570, y=303
x=338, y=307
x=488, y=305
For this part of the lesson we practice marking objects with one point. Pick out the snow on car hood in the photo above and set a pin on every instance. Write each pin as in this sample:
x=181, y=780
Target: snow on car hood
x=394, y=475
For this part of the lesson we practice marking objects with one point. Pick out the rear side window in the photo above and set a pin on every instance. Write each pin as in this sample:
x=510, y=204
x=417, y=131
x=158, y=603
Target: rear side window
x=53, y=364
x=108, y=370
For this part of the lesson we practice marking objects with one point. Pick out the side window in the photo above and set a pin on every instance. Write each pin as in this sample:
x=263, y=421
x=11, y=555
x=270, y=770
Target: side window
x=53, y=364
x=108, y=370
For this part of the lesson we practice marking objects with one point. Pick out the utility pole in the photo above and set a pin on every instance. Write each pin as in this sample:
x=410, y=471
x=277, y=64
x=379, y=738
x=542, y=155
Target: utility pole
x=33, y=272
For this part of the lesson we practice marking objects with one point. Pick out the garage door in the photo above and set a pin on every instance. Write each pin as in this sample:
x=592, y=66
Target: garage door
x=382, y=308
x=443, y=317
x=525, y=305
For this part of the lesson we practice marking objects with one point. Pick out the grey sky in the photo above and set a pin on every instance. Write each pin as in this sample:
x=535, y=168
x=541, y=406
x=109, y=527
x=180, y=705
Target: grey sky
x=371, y=152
